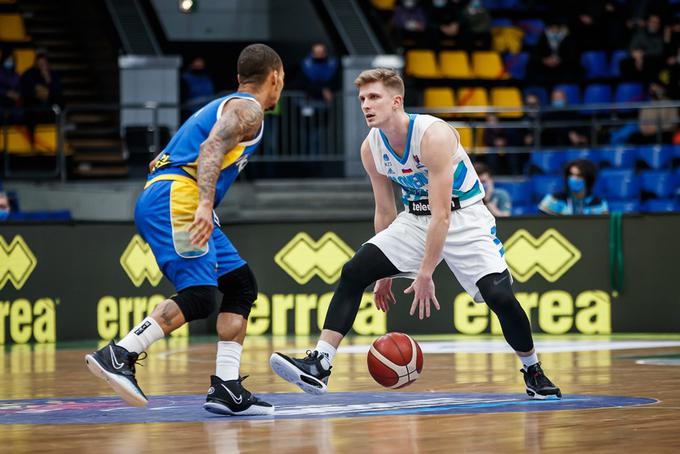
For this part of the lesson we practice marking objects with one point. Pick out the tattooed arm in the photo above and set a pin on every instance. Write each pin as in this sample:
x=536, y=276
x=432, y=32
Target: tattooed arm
x=239, y=121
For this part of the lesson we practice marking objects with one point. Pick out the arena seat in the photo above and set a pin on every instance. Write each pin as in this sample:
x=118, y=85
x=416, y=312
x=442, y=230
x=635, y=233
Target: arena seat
x=465, y=134
x=384, y=5
x=594, y=63
x=520, y=191
x=439, y=97
x=620, y=157
x=541, y=185
x=24, y=59
x=624, y=206
x=655, y=156
x=660, y=183
x=488, y=65
x=45, y=138
x=582, y=153
x=455, y=64
x=547, y=161
x=572, y=92
x=533, y=29
x=516, y=64
x=12, y=28
x=473, y=97
x=525, y=210
x=660, y=206
x=615, y=62
x=596, y=94
x=629, y=92
x=618, y=184
x=422, y=63
x=506, y=38
x=539, y=92
x=507, y=97
x=17, y=140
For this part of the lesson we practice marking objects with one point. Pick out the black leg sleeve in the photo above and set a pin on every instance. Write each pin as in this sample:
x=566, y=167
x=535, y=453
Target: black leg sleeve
x=368, y=265
x=498, y=295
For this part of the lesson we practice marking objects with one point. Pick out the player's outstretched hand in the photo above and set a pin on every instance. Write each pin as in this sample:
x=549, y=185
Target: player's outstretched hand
x=202, y=227
x=382, y=294
x=423, y=293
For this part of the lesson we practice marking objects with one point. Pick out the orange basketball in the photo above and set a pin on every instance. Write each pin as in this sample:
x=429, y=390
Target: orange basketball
x=395, y=360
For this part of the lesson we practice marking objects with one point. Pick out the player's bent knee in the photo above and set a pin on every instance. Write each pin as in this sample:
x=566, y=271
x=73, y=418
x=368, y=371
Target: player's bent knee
x=196, y=302
x=239, y=288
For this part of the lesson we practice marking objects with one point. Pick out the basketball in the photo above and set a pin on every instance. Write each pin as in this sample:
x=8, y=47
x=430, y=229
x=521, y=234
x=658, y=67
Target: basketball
x=395, y=360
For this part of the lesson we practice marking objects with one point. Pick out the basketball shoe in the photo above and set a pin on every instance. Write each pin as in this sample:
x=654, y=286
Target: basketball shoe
x=537, y=384
x=116, y=366
x=231, y=398
x=309, y=373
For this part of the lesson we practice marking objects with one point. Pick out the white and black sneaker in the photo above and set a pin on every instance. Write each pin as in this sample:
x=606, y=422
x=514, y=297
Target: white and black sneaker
x=538, y=385
x=116, y=366
x=309, y=373
x=229, y=397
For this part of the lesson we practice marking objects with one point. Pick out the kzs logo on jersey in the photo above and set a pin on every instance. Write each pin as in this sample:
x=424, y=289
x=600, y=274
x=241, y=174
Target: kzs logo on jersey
x=386, y=158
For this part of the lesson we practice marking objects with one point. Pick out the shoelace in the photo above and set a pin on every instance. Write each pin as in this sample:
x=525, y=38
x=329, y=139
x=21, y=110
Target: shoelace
x=134, y=359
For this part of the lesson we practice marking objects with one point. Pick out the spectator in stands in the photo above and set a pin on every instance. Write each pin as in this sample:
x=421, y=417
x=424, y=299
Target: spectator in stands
x=656, y=125
x=674, y=77
x=565, y=134
x=640, y=68
x=409, y=22
x=615, y=31
x=498, y=140
x=444, y=21
x=586, y=24
x=556, y=55
x=197, y=87
x=497, y=200
x=531, y=115
x=650, y=38
x=40, y=90
x=10, y=97
x=577, y=198
x=4, y=206
x=475, y=24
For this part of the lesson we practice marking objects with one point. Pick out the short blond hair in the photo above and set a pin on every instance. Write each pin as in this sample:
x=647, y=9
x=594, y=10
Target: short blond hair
x=387, y=77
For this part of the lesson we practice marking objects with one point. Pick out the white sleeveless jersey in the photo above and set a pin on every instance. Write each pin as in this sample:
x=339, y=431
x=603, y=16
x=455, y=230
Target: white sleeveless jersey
x=411, y=174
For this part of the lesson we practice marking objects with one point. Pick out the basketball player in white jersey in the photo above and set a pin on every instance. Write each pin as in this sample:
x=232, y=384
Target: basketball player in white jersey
x=443, y=218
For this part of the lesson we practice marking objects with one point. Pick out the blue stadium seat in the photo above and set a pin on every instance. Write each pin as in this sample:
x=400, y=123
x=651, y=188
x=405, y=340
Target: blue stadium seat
x=546, y=184
x=525, y=210
x=501, y=22
x=572, y=91
x=620, y=157
x=519, y=191
x=547, y=161
x=582, y=153
x=658, y=182
x=615, y=62
x=624, y=206
x=595, y=64
x=660, y=206
x=629, y=92
x=40, y=216
x=516, y=64
x=597, y=94
x=656, y=156
x=540, y=92
x=533, y=29
x=511, y=4
x=618, y=184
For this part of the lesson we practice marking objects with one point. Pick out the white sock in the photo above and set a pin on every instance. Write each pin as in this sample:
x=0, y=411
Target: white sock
x=142, y=336
x=328, y=351
x=228, y=360
x=529, y=361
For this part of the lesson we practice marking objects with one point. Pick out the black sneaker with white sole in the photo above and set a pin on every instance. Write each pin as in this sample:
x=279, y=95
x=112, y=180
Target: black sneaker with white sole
x=229, y=397
x=538, y=385
x=308, y=373
x=116, y=366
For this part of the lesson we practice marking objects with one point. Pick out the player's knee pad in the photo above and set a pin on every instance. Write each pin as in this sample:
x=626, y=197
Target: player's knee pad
x=239, y=289
x=196, y=302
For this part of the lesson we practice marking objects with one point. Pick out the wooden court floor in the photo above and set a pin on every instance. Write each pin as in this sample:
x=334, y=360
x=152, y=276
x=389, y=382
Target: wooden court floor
x=584, y=368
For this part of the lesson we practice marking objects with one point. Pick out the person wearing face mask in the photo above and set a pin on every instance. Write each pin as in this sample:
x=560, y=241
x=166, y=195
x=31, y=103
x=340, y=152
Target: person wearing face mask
x=409, y=23
x=577, y=198
x=556, y=55
x=4, y=206
x=497, y=200
x=10, y=96
x=564, y=134
x=197, y=87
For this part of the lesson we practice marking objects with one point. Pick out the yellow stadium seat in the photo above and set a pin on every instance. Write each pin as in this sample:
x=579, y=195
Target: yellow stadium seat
x=16, y=139
x=455, y=64
x=506, y=39
x=465, y=137
x=439, y=97
x=507, y=97
x=24, y=59
x=422, y=63
x=473, y=97
x=488, y=65
x=45, y=139
x=384, y=5
x=12, y=28
x=7, y=2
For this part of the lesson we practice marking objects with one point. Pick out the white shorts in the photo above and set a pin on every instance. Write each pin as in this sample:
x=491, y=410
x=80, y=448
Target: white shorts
x=471, y=250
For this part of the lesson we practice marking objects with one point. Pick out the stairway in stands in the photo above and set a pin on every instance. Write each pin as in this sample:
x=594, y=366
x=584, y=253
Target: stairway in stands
x=82, y=48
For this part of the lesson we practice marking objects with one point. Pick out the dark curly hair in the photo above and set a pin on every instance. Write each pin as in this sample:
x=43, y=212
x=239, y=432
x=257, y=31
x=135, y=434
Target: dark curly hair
x=588, y=172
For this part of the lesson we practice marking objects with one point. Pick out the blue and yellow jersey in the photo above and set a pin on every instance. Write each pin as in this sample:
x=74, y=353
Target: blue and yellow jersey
x=179, y=160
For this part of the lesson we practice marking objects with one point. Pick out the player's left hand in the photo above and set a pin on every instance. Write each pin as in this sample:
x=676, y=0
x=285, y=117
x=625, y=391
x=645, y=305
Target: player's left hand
x=202, y=227
x=423, y=293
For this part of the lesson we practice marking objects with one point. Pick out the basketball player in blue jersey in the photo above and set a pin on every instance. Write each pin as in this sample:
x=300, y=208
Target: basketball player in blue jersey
x=444, y=219
x=174, y=214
